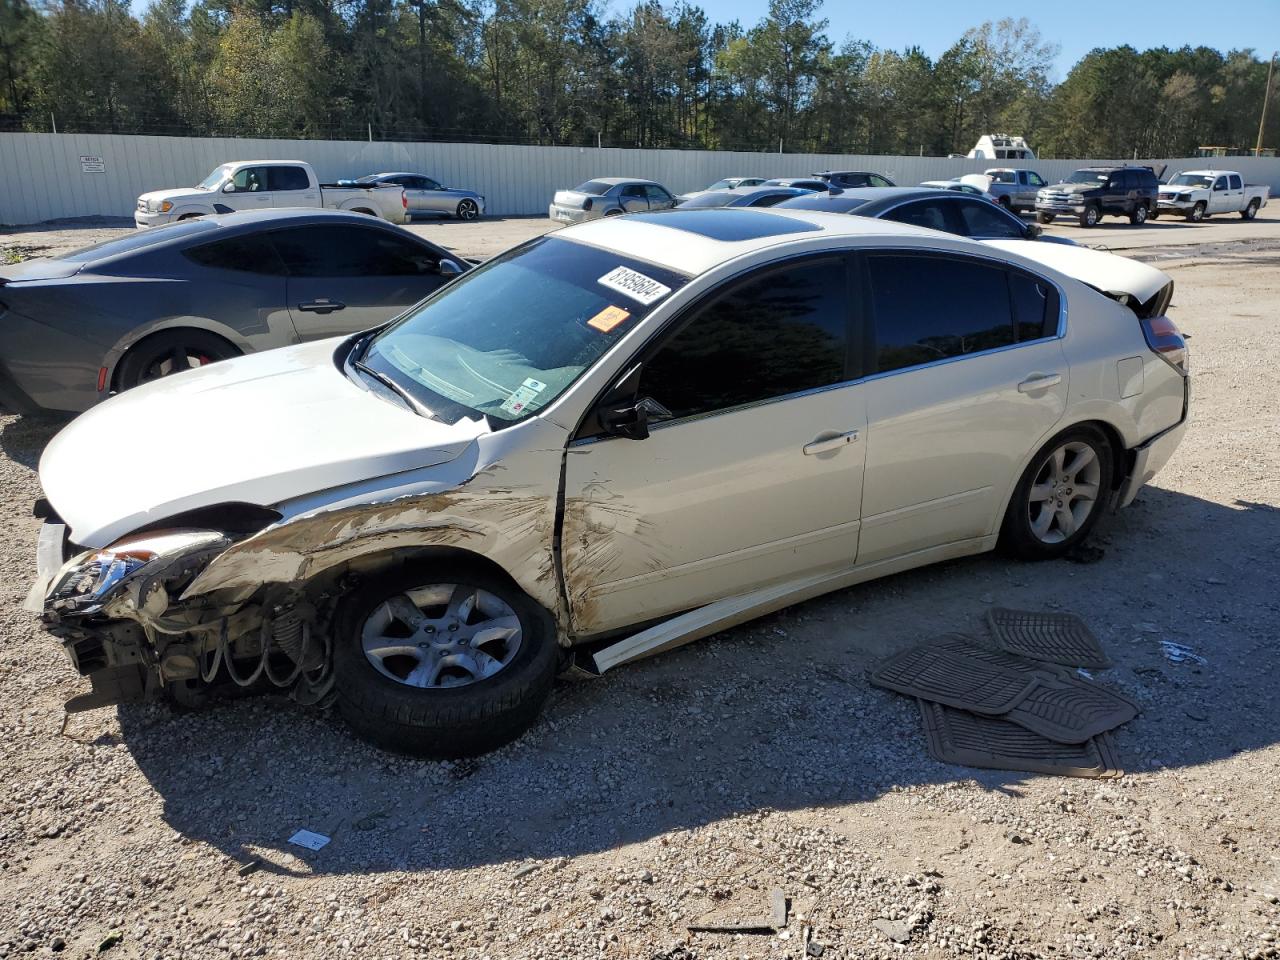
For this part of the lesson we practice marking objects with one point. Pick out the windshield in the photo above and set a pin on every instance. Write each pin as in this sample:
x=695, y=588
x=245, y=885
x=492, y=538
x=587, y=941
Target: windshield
x=723, y=185
x=1088, y=176
x=139, y=239
x=721, y=198
x=594, y=187
x=510, y=336
x=1191, y=180
x=215, y=178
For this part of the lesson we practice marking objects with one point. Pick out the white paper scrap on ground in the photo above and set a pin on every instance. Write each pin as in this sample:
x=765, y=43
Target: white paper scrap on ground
x=312, y=841
x=1177, y=653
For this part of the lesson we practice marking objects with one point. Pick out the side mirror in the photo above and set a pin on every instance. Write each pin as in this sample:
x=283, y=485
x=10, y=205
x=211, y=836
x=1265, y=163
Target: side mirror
x=633, y=422
x=229, y=187
x=449, y=268
x=1034, y=231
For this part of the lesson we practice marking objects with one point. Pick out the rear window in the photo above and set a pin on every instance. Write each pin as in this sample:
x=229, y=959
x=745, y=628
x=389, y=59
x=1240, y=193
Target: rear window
x=594, y=187
x=822, y=202
x=138, y=240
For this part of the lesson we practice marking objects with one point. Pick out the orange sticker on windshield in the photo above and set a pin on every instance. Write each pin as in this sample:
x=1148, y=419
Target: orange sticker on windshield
x=608, y=318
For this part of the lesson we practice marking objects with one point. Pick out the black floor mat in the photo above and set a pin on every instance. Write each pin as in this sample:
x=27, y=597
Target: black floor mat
x=1054, y=637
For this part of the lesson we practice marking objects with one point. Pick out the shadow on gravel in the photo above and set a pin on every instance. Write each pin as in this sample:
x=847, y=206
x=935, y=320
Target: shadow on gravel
x=22, y=439
x=774, y=714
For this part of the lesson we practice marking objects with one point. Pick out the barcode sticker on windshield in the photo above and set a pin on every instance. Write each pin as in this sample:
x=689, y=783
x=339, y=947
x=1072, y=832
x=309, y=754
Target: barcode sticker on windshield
x=527, y=391
x=634, y=285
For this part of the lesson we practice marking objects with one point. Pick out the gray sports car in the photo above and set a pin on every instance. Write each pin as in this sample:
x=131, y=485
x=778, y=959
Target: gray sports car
x=425, y=195
x=76, y=328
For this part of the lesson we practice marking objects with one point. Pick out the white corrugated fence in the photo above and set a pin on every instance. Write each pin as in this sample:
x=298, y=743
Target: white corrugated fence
x=45, y=176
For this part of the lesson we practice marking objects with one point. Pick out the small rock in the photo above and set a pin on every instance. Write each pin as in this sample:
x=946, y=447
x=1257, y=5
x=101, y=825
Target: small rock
x=899, y=931
x=815, y=948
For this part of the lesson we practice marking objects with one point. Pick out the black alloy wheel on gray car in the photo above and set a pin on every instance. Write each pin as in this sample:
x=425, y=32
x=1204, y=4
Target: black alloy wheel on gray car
x=1251, y=211
x=468, y=210
x=1060, y=495
x=442, y=661
x=1197, y=213
x=1139, y=215
x=170, y=352
x=1089, y=216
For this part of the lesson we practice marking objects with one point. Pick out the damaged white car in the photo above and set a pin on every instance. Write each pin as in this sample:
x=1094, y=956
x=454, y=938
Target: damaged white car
x=597, y=446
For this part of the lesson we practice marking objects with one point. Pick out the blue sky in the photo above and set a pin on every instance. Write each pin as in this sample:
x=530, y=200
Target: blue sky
x=1076, y=25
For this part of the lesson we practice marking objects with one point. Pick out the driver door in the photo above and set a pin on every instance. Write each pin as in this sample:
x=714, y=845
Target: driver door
x=633, y=199
x=251, y=190
x=751, y=474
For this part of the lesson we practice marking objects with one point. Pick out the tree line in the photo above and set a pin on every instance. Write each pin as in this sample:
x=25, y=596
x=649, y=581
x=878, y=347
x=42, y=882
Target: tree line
x=562, y=72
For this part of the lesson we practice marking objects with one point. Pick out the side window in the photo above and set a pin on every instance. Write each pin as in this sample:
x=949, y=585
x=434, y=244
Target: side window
x=1220, y=183
x=346, y=251
x=930, y=308
x=984, y=219
x=923, y=213
x=879, y=181
x=780, y=333
x=769, y=199
x=1035, y=179
x=634, y=190
x=1236, y=182
x=657, y=194
x=250, y=179
x=247, y=254
x=426, y=183
x=287, y=178
x=1035, y=306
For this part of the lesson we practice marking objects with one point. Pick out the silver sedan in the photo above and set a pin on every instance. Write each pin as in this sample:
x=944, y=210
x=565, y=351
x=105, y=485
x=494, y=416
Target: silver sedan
x=608, y=197
x=425, y=195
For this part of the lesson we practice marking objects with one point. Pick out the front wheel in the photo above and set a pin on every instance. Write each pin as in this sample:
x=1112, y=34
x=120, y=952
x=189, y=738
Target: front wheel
x=1089, y=217
x=442, y=662
x=1044, y=217
x=1197, y=213
x=1251, y=211
x=1139, y=215
x=468, y=210
x=1059, y=497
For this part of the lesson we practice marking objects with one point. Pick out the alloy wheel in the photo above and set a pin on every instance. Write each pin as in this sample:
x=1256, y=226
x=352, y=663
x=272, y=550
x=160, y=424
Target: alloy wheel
x=441, y=635
x=1065, y=492
x=174, y=361
x=467, y=210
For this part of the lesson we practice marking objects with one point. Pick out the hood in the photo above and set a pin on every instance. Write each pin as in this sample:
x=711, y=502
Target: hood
x=1074, y=187
x=1107, y=272
x=258, y=429
x=173, y=193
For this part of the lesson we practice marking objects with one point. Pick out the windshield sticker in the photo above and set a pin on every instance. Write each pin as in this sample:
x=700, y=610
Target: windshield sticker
x=635, y=285
x=527, y=391
x=608, y=318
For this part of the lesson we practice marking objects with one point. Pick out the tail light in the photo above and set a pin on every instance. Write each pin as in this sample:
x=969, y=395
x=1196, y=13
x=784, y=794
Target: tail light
x=404, y=200
x=1165, y=339
x=586, y=204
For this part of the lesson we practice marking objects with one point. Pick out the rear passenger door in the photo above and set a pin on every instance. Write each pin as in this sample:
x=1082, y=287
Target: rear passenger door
x=344, y=278
x=291, y=187
x=968, y=377
x=1223, y=199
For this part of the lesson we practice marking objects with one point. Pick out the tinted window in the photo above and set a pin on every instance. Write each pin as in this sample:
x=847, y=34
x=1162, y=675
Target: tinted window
x=984, y=219
x=923, y=213
x=932, y=308
x=288, y=178
x=657, y=194
x=781, y=333
x=1236, y=182
x=878, y=181
x=348, y=251
x=1220, y=183
x=1035, y=306
x=426, y=183
x=769, y=199
x=635, y=190
x=248, y=254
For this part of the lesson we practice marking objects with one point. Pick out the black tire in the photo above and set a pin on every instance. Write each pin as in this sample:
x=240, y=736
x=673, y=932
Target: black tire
x=1044, y=217
x=168, y=352
x=468, y=210
x=1004, y=202
x=1197, y=213
x=442, y=723
x=613, y=213
x=1251, y=211
x=1016, y=534
x=1139, y=215
x=1090, y=216
x=1154, y=214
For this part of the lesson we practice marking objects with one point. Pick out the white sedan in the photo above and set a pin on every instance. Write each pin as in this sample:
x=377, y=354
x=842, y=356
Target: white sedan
x=597, y=446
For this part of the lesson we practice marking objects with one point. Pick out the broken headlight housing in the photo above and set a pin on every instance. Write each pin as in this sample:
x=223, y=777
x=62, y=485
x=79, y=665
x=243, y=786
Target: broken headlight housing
x=89, y=581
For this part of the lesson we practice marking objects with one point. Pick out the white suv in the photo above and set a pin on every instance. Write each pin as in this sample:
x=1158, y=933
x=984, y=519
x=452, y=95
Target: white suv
x=597, y=446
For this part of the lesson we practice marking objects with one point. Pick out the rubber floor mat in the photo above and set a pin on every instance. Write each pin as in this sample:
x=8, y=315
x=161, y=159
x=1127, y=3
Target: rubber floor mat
x=967, y=739
x=1054, y=637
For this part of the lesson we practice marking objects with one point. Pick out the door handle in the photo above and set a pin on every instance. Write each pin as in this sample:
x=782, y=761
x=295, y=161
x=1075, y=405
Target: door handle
x=825, y=443
x=1039, y=381
x=322, y=306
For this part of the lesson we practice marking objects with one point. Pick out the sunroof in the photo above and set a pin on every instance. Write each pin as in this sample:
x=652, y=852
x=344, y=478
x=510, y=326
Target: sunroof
x=727, y=225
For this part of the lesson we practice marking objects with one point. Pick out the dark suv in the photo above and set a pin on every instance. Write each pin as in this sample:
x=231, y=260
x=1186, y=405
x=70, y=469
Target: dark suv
x=1091, y=193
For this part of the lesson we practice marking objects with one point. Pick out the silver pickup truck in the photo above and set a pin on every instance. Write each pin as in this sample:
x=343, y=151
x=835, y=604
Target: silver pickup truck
x=1014, y=189
x=262, y=185
x=1196, y=194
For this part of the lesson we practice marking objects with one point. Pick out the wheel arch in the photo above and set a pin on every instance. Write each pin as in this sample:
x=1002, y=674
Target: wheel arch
x=137, y=337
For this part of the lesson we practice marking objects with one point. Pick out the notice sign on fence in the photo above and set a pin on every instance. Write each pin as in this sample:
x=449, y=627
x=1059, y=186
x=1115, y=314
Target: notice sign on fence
x=93, y=165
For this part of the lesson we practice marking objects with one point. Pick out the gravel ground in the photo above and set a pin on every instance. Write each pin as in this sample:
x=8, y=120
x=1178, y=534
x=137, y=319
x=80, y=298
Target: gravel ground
x=694, y=783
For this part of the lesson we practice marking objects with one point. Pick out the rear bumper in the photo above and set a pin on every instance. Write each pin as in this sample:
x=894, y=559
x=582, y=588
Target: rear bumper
x=567, y=214
x=13, y=398
x=1151, y=455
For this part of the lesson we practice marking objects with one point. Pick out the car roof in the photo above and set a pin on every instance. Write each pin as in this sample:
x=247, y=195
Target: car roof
x=694, y=241
x=615, y=181
x=256, y=163
x=845, y=173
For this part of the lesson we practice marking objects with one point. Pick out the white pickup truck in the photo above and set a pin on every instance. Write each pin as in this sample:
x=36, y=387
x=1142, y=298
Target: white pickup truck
x=1196, y=194
x=263, y=184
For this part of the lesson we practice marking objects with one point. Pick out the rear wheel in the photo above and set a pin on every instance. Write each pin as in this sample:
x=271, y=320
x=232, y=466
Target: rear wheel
x=1139, y=215
x=170, y=352
x=1089, y=216
x=1251, y=211
x=468, y=210
x=1197, y=213
x=1059, y=497
x=442, y=661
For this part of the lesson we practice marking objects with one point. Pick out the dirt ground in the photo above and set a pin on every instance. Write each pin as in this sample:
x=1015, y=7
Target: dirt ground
x=696, y=782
